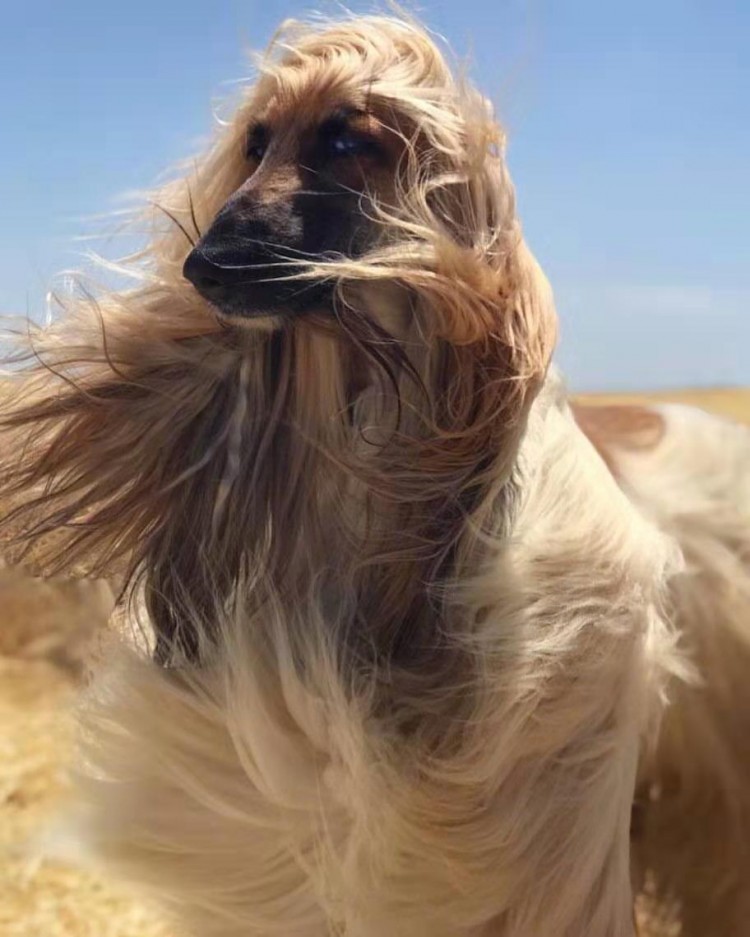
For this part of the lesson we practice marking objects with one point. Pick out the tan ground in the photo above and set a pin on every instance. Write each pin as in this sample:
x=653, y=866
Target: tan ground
x=44, y=631
x=45, y=628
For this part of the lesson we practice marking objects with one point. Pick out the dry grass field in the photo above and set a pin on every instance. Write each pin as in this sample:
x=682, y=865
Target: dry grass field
x=45, y=628
x=731, y=402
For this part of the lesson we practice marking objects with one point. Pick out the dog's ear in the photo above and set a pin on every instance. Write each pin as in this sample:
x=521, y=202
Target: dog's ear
x=478, y=287
x=523, y=330
x=496, y=331
x=485, y=295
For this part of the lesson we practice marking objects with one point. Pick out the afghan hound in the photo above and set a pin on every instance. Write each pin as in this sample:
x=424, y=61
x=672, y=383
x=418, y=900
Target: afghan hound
x=434, y=652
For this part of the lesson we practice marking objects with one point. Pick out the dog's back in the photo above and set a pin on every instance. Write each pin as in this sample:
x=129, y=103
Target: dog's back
x=690, y=471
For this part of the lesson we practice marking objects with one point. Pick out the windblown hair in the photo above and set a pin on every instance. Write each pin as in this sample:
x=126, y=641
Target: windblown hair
x=191, y=455
x=411, y=634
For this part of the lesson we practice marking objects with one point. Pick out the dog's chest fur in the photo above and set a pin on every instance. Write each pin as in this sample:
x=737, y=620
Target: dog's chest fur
x=314, y=802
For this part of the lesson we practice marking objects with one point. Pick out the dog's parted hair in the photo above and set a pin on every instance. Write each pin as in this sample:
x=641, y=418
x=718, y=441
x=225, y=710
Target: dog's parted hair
x=410, y=633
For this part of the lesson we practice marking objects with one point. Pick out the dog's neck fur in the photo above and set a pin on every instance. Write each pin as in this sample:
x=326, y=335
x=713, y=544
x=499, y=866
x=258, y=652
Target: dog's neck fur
x=326, y=463
x=332, y=487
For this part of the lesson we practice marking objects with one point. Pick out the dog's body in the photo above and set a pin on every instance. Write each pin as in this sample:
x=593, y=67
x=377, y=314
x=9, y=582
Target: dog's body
x=416, y=618
x=692, y=816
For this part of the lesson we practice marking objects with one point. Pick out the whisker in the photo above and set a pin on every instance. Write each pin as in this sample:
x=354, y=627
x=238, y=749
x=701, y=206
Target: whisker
x=174, y=220
x=192, y=211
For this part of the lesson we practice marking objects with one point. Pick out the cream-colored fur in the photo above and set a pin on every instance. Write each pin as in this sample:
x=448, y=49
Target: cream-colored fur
x=418, y=633
x=264, y=800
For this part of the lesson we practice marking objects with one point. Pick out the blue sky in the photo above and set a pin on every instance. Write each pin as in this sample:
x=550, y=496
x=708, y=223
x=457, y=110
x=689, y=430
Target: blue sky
x=629, y=129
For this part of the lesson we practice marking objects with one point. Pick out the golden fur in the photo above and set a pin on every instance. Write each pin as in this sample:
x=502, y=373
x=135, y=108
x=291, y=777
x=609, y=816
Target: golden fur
x=414, y=636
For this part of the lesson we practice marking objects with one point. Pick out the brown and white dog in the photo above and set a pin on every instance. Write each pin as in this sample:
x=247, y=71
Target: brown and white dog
x=428, y=642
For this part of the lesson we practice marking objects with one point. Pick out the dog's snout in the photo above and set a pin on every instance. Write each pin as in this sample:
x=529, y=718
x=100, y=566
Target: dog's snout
x=258, y=257
x=207, y=277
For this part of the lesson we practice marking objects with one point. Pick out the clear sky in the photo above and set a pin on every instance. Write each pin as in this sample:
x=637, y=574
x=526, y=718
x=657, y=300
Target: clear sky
x=629, y=127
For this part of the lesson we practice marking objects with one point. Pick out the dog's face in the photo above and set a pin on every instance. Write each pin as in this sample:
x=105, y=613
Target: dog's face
x=315, y=165
x=360, y=177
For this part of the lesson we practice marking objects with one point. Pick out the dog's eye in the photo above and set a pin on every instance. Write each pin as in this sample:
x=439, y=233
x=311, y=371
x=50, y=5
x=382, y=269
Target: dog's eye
x=337, y=139
x=256, y=144
x=349, y=144
x=256, y=151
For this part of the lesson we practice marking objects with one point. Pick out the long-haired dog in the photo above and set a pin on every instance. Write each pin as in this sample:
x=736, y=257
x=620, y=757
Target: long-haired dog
x=416, y=619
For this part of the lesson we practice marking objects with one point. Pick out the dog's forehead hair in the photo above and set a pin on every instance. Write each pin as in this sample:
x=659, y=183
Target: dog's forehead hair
x=294, y=115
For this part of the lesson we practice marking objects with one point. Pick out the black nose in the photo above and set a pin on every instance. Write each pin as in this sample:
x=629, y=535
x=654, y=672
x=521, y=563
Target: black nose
x=207, y=277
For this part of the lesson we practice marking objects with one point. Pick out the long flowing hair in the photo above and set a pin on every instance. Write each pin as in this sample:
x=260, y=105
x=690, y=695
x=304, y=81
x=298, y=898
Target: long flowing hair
x=325, y=453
